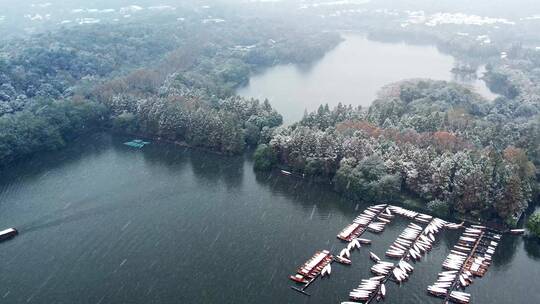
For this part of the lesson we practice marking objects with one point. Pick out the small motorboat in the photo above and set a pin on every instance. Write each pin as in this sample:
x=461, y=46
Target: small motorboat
x=8, y=234
x=383, y=290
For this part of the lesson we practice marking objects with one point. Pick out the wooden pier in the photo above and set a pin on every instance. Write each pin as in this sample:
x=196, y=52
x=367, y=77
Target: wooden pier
x=456, y=280
x=302, y=289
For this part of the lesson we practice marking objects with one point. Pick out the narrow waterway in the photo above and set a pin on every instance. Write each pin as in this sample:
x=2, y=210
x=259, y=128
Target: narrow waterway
x=352, y=73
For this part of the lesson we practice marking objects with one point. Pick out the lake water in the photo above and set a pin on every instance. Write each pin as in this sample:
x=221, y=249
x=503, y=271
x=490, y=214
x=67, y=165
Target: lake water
x=101, y=222
x=352, y=73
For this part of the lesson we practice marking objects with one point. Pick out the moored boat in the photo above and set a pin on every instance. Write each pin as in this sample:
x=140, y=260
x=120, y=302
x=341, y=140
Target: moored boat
x=517, y=231
x=356, y=244
x=345, y=253
x=374, y=257
x=343, y=260
x=364, y=241
x=298, y=278
x=324, y=271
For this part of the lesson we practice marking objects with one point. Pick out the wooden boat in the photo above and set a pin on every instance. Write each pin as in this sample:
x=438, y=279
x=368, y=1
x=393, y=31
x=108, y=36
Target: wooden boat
x=374, y=257
x=8, y=234
x=324, y=272
x=376, y=227
x=406, y=266
x=454, y=226
x=394, y=254
x=463, y=282
x=367, y=289
x=343, y=260
x=460, y=297
x=364, y=241
x=383, y=220
x=345, y=253
x=298, y=278
x=399, y=274
x=382, y=268
x=436, y=291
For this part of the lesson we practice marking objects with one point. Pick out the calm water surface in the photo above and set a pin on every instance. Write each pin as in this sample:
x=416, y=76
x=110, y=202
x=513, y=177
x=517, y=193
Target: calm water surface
x=352, y=73
x=104, y=223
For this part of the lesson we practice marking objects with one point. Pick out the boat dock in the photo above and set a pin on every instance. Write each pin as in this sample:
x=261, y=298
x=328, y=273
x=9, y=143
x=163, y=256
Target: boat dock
x=469, y=258
x=365, y=221
x=413, y=242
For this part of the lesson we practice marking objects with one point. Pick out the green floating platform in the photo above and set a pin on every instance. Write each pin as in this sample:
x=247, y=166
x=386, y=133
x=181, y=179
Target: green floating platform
x=136, y=143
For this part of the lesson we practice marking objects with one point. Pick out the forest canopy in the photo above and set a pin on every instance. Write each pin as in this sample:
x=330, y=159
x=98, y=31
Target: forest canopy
x=436, y=141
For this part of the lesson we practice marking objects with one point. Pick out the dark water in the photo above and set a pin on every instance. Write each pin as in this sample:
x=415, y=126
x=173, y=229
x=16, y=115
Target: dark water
x=352, y=73
x=104, y=223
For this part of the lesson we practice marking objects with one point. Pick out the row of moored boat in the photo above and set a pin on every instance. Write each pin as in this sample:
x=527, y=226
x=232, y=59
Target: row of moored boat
x=313, y=267
x=384, y=217
x=469, y=258
x=362, y=222
x=368, y=289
